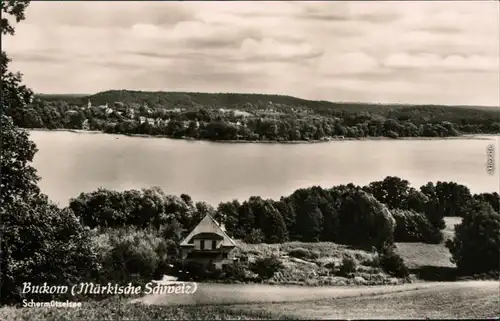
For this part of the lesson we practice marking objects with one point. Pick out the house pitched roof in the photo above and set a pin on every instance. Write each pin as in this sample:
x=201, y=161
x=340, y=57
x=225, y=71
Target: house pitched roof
x=208, y=225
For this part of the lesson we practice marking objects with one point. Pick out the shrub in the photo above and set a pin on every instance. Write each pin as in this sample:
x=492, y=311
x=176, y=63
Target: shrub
x=372, y=261
x=392, y=263
x=303, y=253
x=392, y=134
x=213, y=272
x=193, y=271
x=348, y=266
x=415, y=227
x=475, y=246
x=267, y=266
x=364, y=221
x=130, y=255
x=42, y=243
x=256, y=236
x=434, y=213
x=331, y=266
x=236, y=271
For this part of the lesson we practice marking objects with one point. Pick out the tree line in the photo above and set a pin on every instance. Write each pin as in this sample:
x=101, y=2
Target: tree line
x=383, y=211
x=244, y=117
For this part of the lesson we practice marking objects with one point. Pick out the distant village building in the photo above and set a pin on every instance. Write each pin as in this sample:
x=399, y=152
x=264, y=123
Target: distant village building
x=105, y=106
x=207, y=244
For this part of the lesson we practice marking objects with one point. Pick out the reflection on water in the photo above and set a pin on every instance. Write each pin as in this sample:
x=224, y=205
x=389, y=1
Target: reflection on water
x=71, y=163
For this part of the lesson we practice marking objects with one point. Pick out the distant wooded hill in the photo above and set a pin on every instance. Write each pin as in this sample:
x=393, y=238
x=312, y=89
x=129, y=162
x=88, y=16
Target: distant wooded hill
x=256, y=117
x=196, y=99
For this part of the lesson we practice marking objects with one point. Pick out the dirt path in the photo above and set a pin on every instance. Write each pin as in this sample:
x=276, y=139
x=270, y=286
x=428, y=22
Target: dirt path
x=241, y=294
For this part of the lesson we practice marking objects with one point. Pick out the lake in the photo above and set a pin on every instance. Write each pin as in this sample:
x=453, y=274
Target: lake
x=70, y=163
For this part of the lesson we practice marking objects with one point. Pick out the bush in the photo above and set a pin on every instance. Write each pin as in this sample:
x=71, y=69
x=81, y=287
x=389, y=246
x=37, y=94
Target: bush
x=214, y=272
x=303, y=253
x=192, y=271
x=130, y=255
x=392, y=134
x=475, y=246
x=267, y=266
x=415, y=227
x=434, y=213
x=364, y=221
x=392, y=263
x=256, y=236
x=331, y=266
x=348, y=266
x=42, y=243
x=235, y=271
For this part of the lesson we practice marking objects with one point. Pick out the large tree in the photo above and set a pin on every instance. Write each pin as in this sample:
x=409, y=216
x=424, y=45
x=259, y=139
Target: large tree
x=18, y=178
x=364, y=221
x=475, y=246
x=39, y=241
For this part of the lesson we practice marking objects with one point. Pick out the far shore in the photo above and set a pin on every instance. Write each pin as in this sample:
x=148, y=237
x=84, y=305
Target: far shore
x=332, y=139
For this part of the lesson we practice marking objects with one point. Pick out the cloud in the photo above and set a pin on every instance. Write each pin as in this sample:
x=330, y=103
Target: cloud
x=270, y=49
x=101, y=14
x=451, y=63
x=347, y=63
x=390, y=51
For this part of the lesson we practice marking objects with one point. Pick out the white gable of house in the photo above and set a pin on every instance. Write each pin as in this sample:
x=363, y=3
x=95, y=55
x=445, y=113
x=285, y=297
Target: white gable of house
x=208, y=225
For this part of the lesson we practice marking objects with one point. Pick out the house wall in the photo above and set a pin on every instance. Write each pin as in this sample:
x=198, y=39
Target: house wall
x=208, y=244
x=218, y=260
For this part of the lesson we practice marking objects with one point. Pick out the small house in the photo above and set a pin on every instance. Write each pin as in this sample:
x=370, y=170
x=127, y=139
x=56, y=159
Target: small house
x=207, y=244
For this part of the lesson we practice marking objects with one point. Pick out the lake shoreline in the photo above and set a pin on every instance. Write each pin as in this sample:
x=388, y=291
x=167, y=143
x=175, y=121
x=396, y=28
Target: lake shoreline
x=333, y=139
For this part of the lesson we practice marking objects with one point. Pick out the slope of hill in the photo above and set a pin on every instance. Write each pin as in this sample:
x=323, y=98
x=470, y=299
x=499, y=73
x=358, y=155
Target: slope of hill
x=417, y=114
x=233, y=100
x=267, y=117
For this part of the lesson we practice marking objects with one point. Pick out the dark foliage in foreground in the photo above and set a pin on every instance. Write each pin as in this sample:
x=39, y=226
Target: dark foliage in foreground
x=343, y=214
x=415, y=227
x=39, y=241
x=347, y=267
x=392, y=263
x=266, y=267
x=475, y=247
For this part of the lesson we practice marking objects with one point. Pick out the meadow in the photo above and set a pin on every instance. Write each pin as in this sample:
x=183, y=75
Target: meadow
x=431, y=300
x=265, y=301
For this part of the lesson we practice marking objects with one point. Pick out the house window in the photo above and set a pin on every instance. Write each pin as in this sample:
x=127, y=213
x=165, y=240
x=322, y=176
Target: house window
x=224, y=255
x=214, y=244
x=202, y=244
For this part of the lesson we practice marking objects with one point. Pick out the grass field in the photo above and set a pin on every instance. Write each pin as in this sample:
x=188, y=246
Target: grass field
x=120, y=310
x=462, y=299
x=417, y=255
x=473, y=299
x=449, y=230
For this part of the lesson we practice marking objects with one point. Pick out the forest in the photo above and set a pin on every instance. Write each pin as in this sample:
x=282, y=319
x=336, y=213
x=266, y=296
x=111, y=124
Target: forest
x=344, y=214
x=249, y=117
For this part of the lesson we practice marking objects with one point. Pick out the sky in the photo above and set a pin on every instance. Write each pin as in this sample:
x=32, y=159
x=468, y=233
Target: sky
x=386, y=52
